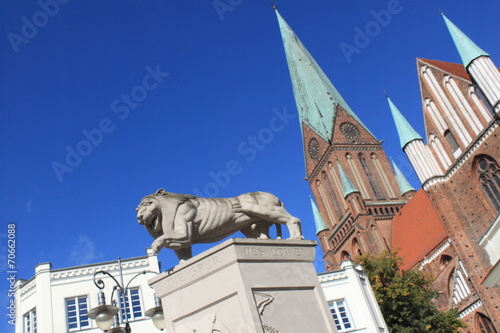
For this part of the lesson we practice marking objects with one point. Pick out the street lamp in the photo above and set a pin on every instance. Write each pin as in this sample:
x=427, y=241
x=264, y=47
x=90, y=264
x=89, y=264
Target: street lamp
x=107, y=315
x=156, y=314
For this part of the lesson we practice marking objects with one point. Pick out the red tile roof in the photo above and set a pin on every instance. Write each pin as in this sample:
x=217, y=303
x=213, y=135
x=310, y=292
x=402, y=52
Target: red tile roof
x=449, y=67
x=416, y=230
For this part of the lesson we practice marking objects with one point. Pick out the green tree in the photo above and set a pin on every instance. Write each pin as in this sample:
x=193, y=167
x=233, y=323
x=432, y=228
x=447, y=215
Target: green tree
x=405, y=297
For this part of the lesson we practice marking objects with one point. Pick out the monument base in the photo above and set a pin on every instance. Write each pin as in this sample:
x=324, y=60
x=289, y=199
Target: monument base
x=245, y=285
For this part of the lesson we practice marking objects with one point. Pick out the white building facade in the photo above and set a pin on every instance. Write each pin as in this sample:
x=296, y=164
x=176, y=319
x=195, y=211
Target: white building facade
x=351, y=300
x=58, y=301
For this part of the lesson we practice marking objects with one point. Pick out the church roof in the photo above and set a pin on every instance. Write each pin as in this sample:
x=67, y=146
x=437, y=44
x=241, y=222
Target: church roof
x=406, y=132
x=416, y=230
x=347, y=185
x=403, y=184
x=318, y=219
x=316, y=97
x=466, y=47
x=454, y=69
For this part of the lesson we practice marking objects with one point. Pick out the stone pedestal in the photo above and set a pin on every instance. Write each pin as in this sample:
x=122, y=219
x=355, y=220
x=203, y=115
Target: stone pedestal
x=245, y=285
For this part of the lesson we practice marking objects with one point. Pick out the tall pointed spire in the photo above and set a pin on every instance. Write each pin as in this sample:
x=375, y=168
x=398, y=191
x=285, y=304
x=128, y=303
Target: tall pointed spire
x=318, y=219
x=347, y=185
x=316, y=97
x=404, y=185
x=420, y=156
x=405, y=130
x=466, y=47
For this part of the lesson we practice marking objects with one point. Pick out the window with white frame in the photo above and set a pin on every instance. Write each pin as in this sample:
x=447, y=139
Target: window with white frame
x=77, y=312
x=132, y=304
x=340, y=315
x=29, y=321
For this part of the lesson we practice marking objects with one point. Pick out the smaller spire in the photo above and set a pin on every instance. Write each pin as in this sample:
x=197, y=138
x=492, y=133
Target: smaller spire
x=318, y=219
x=347, y=185
x=406, y=133
x=466, y=47
x=403, y=184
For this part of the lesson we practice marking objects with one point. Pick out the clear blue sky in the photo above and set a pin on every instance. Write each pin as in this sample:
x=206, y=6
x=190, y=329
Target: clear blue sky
x=219, y=80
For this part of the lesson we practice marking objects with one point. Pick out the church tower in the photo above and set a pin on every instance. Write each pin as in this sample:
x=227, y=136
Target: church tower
x=353, y=184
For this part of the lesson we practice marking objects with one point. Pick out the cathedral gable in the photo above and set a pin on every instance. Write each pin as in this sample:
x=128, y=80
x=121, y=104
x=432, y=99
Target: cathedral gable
x=455, y=112
x=347, y=131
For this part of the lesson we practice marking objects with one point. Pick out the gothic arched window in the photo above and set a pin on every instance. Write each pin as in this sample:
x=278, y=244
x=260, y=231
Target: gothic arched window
x=452, y=142
x=331, y=194
x=369, y=175
x=488, y=173
x=345, y=256
x=356, y=248
x=382, y=175
x=357, y=178
x=326, y=202
x=484, y=324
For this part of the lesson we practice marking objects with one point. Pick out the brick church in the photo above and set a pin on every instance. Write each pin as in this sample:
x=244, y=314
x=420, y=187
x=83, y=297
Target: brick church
x=363, y=203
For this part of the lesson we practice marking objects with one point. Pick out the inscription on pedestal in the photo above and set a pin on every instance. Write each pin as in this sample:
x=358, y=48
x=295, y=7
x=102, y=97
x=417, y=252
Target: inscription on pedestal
x=274, y=252
x=197, y=270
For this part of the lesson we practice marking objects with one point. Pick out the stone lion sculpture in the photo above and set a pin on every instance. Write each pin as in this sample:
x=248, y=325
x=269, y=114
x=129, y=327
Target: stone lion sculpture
x=176, y=221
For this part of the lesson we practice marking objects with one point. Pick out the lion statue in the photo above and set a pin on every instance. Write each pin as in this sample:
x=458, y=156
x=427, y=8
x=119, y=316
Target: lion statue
x=177, y=221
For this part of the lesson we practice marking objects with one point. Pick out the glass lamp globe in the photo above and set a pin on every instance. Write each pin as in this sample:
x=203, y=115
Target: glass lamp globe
x=158, y=319
x=156, y=314
x=104, y=320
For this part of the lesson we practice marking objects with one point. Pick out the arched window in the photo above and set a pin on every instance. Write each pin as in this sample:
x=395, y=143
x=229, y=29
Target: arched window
x=357, y=178
x=455, y=149
x=488, y=173
x=445, y=260
x=484, y=324
x=356, y=248
x=326, y=202
x=381, y=173
x=338, y=185
x=345, y=256
x=331, y=194
x=378, y=238
x=369, y=175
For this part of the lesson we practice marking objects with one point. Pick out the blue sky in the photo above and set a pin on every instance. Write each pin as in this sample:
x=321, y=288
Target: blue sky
x=206, y=84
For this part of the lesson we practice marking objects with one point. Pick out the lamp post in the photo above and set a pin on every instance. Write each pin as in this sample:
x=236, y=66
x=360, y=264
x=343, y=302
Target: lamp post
x=107, y=315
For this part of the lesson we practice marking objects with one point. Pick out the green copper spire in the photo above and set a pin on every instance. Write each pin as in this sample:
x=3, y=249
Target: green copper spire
x=467, y=49
x=347, y=185
x=404, y=185
x=318, y=220
x=406, y=133
x=315, y=96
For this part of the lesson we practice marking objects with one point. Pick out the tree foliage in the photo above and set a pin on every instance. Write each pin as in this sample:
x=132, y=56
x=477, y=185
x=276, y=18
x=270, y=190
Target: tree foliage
x=405, y=297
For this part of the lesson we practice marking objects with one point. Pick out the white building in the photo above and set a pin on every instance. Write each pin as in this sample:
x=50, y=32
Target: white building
x=351, y=300
x=57, y=301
